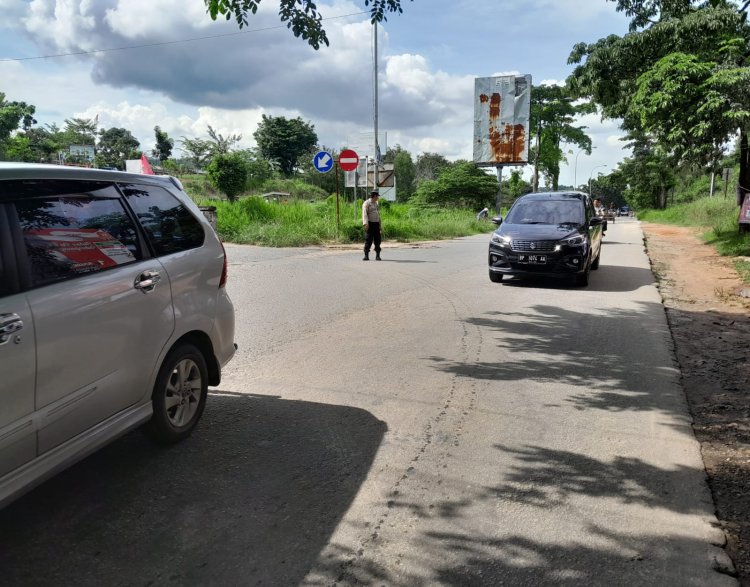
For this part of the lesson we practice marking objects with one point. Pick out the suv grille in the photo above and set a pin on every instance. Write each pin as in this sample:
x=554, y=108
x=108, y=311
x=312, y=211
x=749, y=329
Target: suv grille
x=533, y=246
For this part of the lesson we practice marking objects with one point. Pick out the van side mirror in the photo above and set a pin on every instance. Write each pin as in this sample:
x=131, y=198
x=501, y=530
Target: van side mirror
x=497, y=220
x=596, y=221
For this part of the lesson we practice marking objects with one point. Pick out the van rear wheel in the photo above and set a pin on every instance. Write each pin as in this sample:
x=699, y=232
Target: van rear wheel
x=179, y=395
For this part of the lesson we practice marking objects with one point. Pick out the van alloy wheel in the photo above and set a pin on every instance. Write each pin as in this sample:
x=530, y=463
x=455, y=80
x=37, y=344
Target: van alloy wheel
x=183, y=393
x=179, y=394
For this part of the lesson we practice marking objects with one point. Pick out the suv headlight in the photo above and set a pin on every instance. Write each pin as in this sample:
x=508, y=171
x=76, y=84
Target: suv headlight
x=574, y=240
x=500, y=240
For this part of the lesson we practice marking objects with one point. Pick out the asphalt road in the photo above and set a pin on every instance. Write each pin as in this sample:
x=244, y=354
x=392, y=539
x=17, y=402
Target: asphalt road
x=404, y=422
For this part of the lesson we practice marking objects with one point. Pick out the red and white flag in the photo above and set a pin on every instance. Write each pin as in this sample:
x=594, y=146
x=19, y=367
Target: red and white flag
x=145, y=165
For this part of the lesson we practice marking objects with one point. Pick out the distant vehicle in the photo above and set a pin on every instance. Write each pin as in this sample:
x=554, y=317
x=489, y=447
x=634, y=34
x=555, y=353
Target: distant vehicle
x=554, y=234
x=624, y=211
x=608, y=214
x=113, y=314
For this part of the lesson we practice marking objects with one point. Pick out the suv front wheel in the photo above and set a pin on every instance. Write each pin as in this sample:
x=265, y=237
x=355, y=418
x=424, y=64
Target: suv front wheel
x=179, y=395
x=582, y=279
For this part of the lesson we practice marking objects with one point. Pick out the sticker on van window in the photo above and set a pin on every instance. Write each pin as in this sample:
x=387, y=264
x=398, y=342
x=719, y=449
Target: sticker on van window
x=86, y=249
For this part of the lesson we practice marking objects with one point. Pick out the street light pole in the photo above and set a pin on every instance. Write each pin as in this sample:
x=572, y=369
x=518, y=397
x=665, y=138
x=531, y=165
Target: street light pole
x=575, y=170
x=592, y=174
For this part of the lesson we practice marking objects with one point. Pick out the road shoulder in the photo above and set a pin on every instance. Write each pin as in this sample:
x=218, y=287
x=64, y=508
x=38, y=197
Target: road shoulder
x=710, y=327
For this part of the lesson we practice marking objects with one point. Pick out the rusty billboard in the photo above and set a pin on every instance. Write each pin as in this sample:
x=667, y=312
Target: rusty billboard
x=502, y=107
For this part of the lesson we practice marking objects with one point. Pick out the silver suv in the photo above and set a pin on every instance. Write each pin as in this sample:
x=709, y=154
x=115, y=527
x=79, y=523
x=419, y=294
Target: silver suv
x=113, y=313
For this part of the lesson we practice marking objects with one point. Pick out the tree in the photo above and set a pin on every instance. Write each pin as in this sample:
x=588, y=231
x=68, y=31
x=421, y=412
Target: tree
x=13, y=115
x=197, y=151
x=79, y=131
x=429, y=166
x=285, y=140
x=17, y=148
x=649, y=173
x=462, y=184
x=301, y=16
x=45, y=142
x=259, y=170
x=680, y=76
x=516, y=185
x=228, y=173
x=164, y=145
x=553, y=112
x=404, y=170
x=116, y=145
x=221, y=144
x=611, y=188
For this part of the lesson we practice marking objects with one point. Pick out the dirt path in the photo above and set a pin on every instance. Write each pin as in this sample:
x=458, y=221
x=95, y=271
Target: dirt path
x=711, y=330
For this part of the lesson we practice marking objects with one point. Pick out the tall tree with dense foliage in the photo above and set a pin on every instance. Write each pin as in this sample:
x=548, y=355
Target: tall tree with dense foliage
x=115, y=146
x=553, y=114
x=285, y=140
x=13, y=116
x=45, y=142
x=516, y=185
x=164, y=145
x=680, y=76
x=429, y=166
x=300, y=16
x=650, y=172
x=405, y=171
x=228, y=173
x=79, y=131
x=462, y=184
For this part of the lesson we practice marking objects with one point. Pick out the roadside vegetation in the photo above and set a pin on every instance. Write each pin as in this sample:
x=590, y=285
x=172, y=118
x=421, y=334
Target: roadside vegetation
x=253, y=220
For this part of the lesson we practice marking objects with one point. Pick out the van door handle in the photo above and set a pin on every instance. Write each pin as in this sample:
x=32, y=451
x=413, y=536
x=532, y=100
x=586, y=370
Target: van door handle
x=9, y=325
x=147, y=281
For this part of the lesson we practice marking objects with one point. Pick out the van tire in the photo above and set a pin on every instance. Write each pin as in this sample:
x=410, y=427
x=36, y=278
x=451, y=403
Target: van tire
x=179, y=395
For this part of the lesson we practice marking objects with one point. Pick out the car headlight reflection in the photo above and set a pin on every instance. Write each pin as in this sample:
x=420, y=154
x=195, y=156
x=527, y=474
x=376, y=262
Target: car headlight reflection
x=575, y=240
x=501, y=240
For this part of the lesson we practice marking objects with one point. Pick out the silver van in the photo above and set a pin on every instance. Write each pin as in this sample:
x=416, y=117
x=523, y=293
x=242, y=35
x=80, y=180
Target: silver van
x=113, y=314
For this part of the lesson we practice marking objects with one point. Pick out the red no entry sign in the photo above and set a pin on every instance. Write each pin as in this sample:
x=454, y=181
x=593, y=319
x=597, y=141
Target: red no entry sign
x=348, y=160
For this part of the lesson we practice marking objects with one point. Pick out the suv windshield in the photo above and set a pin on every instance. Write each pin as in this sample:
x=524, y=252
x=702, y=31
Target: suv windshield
x=569, y=211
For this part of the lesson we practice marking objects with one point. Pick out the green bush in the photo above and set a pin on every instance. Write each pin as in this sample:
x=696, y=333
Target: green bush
x=227, y=172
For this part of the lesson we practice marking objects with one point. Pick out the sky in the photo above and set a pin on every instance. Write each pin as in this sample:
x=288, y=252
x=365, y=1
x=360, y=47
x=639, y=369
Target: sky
x=428, y=59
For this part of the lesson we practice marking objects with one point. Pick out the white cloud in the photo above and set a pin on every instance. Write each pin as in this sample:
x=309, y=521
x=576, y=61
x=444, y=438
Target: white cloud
x=134, y=19
x=64, y=24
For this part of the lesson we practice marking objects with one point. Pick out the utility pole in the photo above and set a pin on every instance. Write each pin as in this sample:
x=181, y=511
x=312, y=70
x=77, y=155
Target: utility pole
x=375, y=104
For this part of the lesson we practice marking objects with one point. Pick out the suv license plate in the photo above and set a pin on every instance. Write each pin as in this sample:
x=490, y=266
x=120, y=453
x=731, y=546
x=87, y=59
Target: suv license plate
x=532, y=258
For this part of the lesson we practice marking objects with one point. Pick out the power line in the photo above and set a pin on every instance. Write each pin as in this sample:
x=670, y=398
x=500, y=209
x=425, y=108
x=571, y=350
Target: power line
x=162, y=43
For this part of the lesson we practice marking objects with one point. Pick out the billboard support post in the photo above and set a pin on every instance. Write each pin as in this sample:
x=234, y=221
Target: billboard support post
x=499, y=202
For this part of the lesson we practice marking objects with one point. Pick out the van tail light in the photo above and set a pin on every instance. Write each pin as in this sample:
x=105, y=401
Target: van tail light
x=224, y=269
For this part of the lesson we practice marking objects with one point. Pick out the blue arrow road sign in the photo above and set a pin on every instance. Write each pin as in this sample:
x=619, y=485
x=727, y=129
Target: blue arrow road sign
x=323, y=161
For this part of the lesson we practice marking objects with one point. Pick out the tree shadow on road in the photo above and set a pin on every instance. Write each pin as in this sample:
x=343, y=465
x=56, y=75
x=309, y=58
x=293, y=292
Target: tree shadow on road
x=551, y=480
x=251, y=498
x=549, y=344
x=548, y=478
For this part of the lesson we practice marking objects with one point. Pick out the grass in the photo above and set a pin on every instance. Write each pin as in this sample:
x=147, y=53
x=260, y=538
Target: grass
x=743, y=269
x=253, y=220
x=718, y=217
